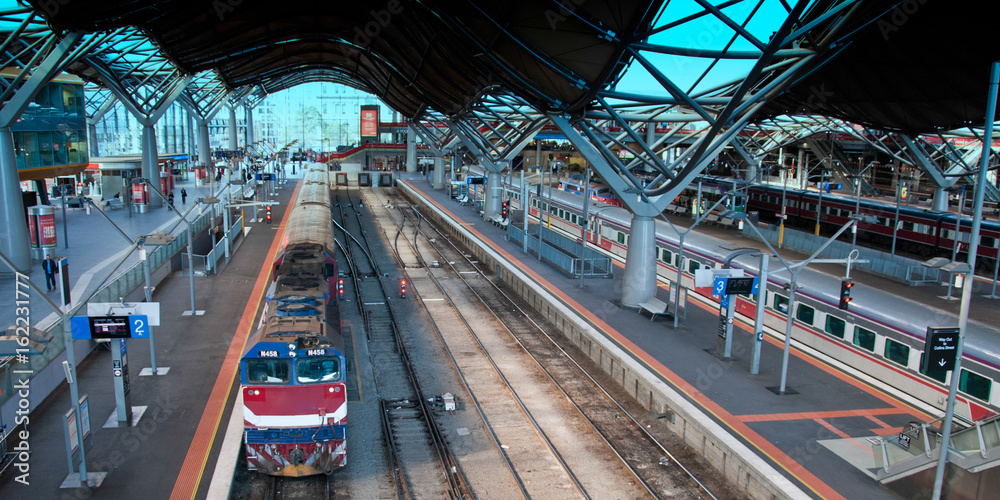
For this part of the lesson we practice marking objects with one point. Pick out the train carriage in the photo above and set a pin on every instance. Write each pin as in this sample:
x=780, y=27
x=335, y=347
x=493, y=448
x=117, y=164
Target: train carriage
x=881, y=337
x=293, y=370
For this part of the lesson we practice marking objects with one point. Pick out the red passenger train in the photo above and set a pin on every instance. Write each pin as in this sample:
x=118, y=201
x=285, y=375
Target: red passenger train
x=918, y=230
x=292, y=372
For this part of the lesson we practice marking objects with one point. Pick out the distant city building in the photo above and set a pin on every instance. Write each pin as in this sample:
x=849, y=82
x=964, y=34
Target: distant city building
x=321, y=116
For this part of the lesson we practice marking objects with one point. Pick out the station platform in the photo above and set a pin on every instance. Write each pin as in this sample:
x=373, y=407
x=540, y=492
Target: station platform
x=814, y=436
x=166, y=450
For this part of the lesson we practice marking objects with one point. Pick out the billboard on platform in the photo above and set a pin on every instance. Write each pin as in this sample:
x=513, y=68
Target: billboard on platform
x=369, y=121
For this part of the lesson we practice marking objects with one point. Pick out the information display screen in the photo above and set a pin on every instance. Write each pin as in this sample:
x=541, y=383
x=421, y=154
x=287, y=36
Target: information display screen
x=737, y=286
x=109, y=327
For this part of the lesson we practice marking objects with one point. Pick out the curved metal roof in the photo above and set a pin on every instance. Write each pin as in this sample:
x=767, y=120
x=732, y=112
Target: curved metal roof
x=914, y=66
x=413, y=55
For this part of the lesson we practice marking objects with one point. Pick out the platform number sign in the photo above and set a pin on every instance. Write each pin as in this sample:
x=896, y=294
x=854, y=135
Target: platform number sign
x=133, y=326
x=940, y=348
x=719, y=286
x=734, y=286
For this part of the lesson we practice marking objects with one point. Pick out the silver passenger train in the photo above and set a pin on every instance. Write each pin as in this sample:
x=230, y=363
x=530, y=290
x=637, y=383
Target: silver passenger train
x=881, y=337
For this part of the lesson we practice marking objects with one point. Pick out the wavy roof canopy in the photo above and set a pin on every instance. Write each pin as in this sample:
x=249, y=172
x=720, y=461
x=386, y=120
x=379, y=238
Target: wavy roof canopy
x=413, y=55
x=914, y=66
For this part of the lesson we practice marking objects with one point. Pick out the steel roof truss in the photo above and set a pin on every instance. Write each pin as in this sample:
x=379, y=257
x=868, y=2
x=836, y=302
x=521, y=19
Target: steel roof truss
x=55, y=60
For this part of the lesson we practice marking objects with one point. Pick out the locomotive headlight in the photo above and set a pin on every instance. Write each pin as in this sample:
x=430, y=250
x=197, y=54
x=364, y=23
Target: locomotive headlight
x=292, y=354
x=291, y=346
x=331, y=390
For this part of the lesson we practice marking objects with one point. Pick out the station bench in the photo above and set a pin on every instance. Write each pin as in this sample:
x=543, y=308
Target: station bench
x=654, y=307
x=115, y=204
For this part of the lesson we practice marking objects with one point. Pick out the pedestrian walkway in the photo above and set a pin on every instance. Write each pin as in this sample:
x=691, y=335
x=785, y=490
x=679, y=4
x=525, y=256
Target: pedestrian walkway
x=193, y=347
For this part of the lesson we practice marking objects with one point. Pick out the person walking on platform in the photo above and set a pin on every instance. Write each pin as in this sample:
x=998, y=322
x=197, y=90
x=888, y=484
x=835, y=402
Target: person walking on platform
x=184, y=196
x=170, y=199
x=50, y=268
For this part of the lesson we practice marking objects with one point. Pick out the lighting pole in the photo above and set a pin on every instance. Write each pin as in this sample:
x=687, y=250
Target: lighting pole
x=62, y=190
x=819, y=207
x=895, y=221
x=784, y=188
x=958, y=224
x=963, y=316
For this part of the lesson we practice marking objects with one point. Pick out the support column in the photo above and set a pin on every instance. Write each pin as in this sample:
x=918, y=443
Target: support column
x=802, y=168
x=639, y=281
x=204, y=151
x=493, y=193
x=14, y=238
x=411, y=149
x=940, y=200
x=233, y=142
x=538, y=154
x=438, y=172
x=250, y=133
x=192, y=149
x=150, y=162
x=455, y=162
x=92, y=140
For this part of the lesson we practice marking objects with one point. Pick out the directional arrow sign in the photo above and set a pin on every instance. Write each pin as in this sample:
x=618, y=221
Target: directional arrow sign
x=940, y=348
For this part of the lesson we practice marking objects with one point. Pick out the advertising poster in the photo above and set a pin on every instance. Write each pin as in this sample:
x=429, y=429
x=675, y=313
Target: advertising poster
x=369, y=121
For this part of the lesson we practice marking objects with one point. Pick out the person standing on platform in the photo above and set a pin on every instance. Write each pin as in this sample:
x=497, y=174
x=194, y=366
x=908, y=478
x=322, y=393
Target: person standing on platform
x=50, y=268
x=184, y=196
x=170, y=199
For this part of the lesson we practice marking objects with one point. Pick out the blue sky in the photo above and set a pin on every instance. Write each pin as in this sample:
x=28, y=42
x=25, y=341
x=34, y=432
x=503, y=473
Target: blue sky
x=708, y=33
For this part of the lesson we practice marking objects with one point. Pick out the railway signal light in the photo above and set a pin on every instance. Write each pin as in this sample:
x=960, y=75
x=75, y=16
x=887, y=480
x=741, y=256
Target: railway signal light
x=402, y=289
x=846, y=285
x=267, y=214
x=340, y=288
x=504, y=211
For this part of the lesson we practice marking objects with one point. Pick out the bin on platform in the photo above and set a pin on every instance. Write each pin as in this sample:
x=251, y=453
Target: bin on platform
x=140, y=196
x=42, y=231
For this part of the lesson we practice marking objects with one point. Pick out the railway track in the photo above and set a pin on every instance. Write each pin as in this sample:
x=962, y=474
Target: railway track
x=653, y=466
x=422, y=465
x=252, y=486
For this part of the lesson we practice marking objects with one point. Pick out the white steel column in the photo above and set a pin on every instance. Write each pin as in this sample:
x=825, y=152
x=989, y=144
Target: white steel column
x=233, y=141
x=92, y=140
x=204, y=151
x=940, y=200
x=411, y=149
x=639, y=281
x=438, y=172
x=250, y=134
x=493, y=192
x=150, y=162
x=14, y=238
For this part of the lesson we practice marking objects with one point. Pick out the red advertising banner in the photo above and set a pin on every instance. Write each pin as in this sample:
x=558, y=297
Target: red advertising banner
x=47, y=224
x=369, y=121
x=32, y=231
x=138, y=193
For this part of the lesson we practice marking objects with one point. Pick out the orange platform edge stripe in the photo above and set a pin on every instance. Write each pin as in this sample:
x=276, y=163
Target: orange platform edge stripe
x=193, y=468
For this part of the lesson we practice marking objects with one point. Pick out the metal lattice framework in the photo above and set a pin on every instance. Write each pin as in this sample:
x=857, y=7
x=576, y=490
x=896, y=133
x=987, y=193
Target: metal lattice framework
x=490, y=75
